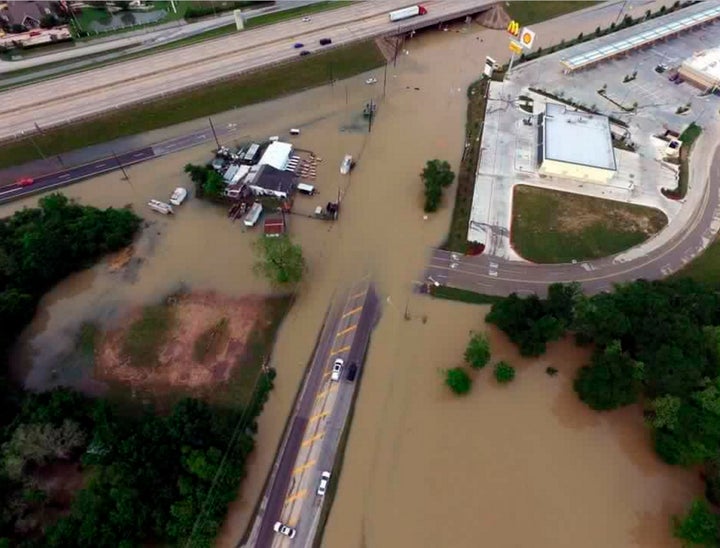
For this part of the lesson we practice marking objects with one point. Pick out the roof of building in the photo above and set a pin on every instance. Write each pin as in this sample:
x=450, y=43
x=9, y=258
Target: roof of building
x=274, y=225
x=706, y=63
x=273, y=179
x=276, y=155
x=577, y=138
x=16, y=13
x=640, y=35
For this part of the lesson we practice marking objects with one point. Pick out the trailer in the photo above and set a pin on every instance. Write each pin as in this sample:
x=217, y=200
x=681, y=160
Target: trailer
x=407, y=13
x=253, y=215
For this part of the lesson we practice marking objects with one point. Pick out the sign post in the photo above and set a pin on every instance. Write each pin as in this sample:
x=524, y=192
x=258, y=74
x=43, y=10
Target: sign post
x=522, y=39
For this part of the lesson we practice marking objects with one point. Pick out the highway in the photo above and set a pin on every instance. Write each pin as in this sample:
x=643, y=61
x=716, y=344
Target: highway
x=88, y=93
x=316, y=425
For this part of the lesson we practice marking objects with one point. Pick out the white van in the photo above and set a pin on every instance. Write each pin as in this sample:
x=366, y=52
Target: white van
x=294, y=131
x=303, y=188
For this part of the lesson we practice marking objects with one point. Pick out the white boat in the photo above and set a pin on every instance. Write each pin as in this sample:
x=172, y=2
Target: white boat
x=253, y=215
x=160, y=207
x=178, y=196
x=346, y=165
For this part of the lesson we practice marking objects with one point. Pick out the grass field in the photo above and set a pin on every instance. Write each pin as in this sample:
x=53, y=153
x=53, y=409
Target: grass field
x=147, y=334
x=531, y=12
x=558, y=227
x=263, y=85
x=705, y=268
x=270, y=18
x=462, y=295
x=457, y=236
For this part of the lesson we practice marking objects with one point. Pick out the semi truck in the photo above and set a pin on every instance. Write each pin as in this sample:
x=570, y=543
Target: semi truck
x=407, y=13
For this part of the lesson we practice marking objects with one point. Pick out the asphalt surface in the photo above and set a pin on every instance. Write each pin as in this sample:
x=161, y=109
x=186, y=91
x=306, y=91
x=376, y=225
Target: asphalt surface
x=88, y=93
x=316, y=424
x=494, y=276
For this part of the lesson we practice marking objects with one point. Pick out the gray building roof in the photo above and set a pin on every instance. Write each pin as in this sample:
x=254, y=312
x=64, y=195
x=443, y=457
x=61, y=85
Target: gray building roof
x=577, y=138
x=270, y=178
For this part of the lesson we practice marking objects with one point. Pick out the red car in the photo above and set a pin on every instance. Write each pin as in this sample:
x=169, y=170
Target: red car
x=25, y=181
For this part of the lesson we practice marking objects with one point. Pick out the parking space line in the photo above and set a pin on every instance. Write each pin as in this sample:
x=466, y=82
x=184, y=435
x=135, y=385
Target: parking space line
x=352, y=311
x=343, y=349
x=313, y=439
x=333, y=388
x=318, y=416
x=296, y=496
x=303, y=467
x=346, y=330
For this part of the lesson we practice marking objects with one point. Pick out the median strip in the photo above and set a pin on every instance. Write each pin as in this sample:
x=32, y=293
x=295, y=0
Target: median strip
x=303, y=467
x=352, y=311
x=343, y=349
x=318, y=416
x=313, y=439
x=296, y=496
x=346, y=330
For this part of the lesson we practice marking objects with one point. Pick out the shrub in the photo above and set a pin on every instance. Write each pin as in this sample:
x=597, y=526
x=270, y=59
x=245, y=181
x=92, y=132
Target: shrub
x=504, y=372
x=458, y=380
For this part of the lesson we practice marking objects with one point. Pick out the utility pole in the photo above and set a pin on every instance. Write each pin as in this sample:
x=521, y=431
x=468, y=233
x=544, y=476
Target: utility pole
x=385, y=79
x=622, y=9
x=37, y=147
x=125, y=175
x=346, y=95
x=371, y=107
x=212, y=127
x=332, y=80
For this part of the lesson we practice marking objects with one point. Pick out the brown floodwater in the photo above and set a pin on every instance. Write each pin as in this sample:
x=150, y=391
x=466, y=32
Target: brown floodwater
x=521, y=465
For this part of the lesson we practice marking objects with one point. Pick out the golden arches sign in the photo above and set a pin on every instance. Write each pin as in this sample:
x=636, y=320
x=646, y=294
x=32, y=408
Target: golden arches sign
x=513, y=28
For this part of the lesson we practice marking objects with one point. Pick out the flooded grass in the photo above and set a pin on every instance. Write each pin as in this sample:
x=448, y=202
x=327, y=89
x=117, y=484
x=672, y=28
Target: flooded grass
x=295, y=12
x=262, y=85
x=147, y=335
x=477, y=102
x=462, y=295
x=549, y=226
x=528, y=13
x=209, y=340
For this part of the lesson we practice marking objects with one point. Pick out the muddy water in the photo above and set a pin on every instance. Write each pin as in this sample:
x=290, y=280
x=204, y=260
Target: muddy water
x=525, y=465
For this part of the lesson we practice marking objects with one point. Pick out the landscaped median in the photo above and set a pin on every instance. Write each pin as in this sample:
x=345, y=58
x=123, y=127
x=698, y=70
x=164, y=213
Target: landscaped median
x=243, y=90
x=549, y=226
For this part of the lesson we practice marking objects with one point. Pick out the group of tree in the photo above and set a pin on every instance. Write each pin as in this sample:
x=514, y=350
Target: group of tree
x=436, y=176
x=279, y=260
x=477, y=356
x=654, y=343
x=208, y=182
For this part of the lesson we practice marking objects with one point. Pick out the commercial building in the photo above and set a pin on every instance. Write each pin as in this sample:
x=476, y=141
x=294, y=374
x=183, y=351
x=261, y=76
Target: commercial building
x=265, y=180
x=575, y=145
x=277, y=155
x=702, y=70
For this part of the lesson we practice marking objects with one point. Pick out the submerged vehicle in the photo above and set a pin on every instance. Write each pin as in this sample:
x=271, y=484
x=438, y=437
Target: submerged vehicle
x=160, y=207
x=346, y=164
x=178, y=196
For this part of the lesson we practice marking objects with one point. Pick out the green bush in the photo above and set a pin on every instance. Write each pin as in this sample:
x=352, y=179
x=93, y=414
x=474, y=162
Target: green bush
x=504, y=372
x=458, y=380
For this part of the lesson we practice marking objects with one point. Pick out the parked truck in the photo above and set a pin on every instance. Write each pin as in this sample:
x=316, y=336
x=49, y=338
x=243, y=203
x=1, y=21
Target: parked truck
x=407, y=13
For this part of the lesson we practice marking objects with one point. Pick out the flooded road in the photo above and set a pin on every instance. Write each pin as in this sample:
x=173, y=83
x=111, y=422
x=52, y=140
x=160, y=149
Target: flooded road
x=521, y=465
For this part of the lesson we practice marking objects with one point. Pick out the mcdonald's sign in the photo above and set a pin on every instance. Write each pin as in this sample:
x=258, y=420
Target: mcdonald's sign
x=514, y=28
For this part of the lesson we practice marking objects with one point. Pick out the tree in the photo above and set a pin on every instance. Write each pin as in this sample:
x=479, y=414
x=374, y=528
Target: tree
x=436, y=176
x=477, y=353
x=458, y=380
x=504, y=372
x=611, y=381
x=279, y=260
x=214, y=185
x=699, y=527
x=665, y=412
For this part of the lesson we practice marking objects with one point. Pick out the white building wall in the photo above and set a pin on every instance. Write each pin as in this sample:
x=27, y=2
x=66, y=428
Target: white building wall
x=565, y=170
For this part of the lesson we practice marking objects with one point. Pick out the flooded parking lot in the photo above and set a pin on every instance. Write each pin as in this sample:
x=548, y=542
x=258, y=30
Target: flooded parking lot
x=521, y=465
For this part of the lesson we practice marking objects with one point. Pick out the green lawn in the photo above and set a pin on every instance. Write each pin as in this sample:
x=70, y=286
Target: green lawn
x=531, y=12
x=147, y=334
x=462, y=295
x=705, y=268
x=557, y=227
x=295, y=12
x=262, y=85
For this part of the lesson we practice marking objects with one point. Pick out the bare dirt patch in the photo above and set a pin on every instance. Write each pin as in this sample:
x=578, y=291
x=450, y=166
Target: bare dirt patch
x=176, y=365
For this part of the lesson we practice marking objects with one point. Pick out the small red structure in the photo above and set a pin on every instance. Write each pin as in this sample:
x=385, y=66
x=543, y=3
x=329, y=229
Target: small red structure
x=275, y=226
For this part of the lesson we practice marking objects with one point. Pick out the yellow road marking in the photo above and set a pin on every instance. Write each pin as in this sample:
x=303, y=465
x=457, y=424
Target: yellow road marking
x=303, y=467
x=324, y=392
x=362, y=293
x=319, y=416
x=343, y=349
x=346, y=330
x=351, y=312
x=296, y=496
x=313, y=439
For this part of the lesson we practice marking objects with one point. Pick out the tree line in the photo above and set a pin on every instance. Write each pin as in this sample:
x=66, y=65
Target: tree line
x=654, y=343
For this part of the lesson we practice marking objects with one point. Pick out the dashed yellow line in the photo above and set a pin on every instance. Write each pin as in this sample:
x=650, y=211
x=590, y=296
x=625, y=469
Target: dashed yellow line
x=343, y=349
x=296, y=496
x=333, y=388
x=303, y=467
x=361, y=294
x=318, y=416
x=313, y=439
x=346, y=330
x=352, y=311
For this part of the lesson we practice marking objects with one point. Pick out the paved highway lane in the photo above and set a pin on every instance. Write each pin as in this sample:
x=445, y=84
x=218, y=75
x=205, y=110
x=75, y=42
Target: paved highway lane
x=84, y=94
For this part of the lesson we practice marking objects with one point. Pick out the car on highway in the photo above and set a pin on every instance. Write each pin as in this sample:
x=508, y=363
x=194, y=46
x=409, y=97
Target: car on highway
x=305, y=19
x=324, y=480
x=298, y=45
x=336, y=370
x=304, y=52
x=352, y=372
x=25, y=181
x=283, y=529
x=325, y=41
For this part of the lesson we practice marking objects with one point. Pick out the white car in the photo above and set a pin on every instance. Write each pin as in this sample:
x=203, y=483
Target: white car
x=336, y=370
x=284, y=529
x=305, y=19
x=324, y=480
x=371, y=81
